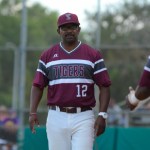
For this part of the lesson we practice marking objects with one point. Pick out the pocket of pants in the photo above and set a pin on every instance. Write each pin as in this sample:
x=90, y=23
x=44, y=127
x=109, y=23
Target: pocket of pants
x=49, y=115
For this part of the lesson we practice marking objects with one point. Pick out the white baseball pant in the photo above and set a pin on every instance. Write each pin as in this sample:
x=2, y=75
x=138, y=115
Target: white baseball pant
x=67, y=131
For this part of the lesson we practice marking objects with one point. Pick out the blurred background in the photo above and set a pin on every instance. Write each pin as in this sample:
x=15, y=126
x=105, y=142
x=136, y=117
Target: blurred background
x=120, y=30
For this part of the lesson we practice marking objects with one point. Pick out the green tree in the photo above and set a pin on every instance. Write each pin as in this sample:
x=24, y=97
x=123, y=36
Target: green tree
x=122, y=26
x=41, y=33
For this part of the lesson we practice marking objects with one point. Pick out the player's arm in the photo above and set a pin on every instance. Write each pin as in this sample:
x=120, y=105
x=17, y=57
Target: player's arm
x=142, y=93
x=101, y=78
x=35, y=97
x=135, y=97
x=104, y=99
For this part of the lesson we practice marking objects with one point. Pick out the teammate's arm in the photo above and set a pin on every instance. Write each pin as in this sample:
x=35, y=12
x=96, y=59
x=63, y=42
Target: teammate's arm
x=142, y=92
x=35, y=97
x=137, y=97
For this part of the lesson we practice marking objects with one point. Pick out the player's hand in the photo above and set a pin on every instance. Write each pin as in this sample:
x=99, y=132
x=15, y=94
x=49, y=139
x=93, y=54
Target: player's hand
x=128, y=103
x=33, y=120
x=100, y=125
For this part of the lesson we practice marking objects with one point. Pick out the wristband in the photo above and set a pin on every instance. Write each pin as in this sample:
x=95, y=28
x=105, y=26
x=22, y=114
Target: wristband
x=33, y=114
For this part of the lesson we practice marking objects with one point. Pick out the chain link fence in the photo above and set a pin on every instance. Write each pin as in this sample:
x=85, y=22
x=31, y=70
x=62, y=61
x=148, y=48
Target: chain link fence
x=125, y=65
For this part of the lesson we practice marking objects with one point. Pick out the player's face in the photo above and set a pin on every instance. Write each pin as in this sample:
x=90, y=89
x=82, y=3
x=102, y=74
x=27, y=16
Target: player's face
x=69, y=33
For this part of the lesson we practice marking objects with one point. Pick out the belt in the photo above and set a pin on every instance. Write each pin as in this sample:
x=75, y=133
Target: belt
x=70, y=109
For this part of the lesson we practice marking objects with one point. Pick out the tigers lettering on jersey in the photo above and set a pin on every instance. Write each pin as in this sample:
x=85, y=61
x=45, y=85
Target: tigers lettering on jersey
x=73, y=72
x=71, y=69
x=68, y=71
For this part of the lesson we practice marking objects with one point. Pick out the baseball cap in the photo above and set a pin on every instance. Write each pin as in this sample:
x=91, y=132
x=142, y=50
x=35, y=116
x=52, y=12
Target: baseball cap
x=67, y=18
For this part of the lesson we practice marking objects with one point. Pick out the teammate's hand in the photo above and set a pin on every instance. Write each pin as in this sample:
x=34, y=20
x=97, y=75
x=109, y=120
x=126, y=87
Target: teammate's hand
x=128, y=103
x=33, y=120
x=100, y=125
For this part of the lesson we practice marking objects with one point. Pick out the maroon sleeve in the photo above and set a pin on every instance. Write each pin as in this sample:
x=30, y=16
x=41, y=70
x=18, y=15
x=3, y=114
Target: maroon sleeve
x=101, y=76
x=102, y=79
x=145, y=79
x=40, y=78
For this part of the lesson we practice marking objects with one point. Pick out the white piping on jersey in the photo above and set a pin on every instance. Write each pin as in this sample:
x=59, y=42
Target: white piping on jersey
x=70, y=61
x=42, y=62
x=99, y=61
x=71, y=50
x=39, y=70
x=99, y=70
x=77, y=80
x=147, y=69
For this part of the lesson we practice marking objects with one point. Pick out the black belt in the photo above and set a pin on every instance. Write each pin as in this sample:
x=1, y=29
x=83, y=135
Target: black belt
x=70, y=109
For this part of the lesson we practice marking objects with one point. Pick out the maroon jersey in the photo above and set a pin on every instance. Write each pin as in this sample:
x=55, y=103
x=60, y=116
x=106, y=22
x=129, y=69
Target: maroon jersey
x=145, y=78
x=70, y=76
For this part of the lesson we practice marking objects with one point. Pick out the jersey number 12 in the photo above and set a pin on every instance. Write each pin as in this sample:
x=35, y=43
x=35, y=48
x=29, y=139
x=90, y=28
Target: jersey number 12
x=81, y=90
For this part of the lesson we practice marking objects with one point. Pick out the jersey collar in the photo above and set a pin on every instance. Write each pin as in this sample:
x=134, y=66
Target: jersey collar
x=72, y=49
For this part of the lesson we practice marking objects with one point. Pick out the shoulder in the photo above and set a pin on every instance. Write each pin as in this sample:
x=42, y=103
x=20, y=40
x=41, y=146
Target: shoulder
x=147, y=66
x=50, y=49
x=88, y=47
x=48, y=53
x=149, y=59
x=92, y=51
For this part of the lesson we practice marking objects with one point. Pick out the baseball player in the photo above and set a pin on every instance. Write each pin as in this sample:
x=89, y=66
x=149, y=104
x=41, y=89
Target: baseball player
x=69, y=70
x=142, y=91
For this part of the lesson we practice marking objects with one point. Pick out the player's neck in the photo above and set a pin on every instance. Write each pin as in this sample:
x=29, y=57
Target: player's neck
x=70, y=46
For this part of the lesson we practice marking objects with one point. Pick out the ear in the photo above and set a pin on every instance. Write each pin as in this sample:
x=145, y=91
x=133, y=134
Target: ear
x=58, y=30
x=79, y=29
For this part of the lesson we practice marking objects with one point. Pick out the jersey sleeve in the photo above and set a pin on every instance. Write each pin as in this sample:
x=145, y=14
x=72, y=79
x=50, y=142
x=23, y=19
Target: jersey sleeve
x=101, y=76
x=145, y=77
x=40, y=78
